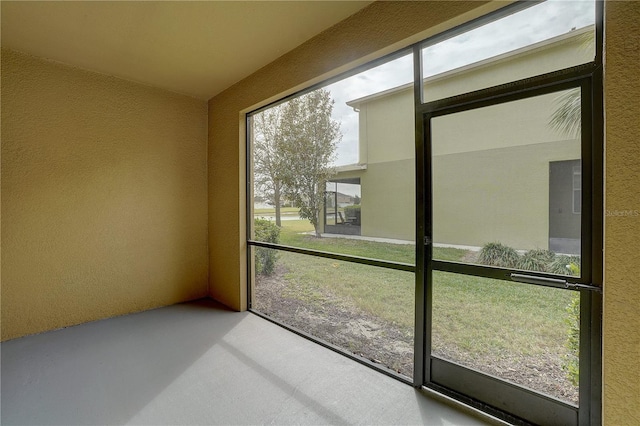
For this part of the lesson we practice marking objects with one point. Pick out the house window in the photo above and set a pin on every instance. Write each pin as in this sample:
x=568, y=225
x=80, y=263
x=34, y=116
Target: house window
x=342, y=207
x=565, y=223
x=577, y=190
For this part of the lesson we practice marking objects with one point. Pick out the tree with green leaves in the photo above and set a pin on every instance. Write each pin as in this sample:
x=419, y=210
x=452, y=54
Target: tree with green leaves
x=309, y=138
x=294, y=145
x=269, y=163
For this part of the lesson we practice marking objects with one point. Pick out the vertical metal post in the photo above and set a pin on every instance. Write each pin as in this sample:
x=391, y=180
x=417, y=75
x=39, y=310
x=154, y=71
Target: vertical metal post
x=249, y=204
x=590, y=410
x=584, y=359
x=421, y=337
x=419, y=323
x=593, y=400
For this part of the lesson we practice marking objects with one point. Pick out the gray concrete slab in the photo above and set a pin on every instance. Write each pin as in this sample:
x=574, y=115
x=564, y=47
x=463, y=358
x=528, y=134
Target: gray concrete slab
x=199, y=363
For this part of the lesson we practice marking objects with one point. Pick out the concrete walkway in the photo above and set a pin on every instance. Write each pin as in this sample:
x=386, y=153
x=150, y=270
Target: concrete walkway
x=364, y=238
x=395, y=241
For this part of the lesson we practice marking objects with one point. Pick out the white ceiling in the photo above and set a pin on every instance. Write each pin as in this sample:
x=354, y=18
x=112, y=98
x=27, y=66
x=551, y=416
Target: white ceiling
x=194, y=48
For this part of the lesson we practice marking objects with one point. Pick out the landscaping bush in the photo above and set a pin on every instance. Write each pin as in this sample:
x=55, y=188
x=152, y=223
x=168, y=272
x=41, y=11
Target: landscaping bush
x=266, y=258
x=536, y=260
x=571, y=363
x=565, y=265
x=497, y=254
x=570, y=265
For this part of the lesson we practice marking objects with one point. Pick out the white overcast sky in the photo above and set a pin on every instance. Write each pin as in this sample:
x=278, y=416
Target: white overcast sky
x=537, y=23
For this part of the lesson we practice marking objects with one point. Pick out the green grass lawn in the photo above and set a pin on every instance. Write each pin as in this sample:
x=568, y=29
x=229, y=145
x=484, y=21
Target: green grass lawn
x=487, y=317
x=285, y=211
x=385, y=293
x=296, y=233
x=479, y=316
x=293, y=233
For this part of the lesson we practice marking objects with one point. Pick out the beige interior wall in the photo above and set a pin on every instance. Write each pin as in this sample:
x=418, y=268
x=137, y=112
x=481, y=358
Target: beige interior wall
x=380, y=28
x=622, y=219
x=104, y=196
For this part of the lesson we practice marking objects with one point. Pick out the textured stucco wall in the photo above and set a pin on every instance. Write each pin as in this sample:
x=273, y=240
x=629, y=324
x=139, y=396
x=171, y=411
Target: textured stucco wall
x=389, y=200
x=621, y=362
x=104, y=196
x=380, y=28
x=515, y=212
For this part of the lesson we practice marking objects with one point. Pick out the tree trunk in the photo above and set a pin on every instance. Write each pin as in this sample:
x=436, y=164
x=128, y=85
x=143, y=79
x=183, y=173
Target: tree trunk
x=316, y=225
x=276, y=200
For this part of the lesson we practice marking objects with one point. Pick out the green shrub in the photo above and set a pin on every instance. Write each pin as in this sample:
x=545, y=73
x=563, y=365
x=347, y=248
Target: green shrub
x=352, y=209
x=565, y=265
x=266, y=258
x=536, y=260
x=497, y=254
x=570, y=265
x=571, y=361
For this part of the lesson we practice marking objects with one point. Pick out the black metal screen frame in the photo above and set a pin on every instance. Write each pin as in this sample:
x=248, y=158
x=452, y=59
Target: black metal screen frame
x=251, y=243
x=479, y=389
x=589, y=77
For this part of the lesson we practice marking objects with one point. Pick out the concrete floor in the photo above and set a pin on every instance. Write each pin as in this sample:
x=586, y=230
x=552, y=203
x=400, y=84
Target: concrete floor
x=199, y=363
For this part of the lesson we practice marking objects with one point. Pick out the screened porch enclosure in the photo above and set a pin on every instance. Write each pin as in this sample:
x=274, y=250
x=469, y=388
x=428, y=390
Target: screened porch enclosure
x=342, y=211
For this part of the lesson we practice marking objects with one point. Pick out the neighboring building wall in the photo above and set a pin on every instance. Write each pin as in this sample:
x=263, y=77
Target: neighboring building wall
x=568, y=50
x=388, y=185
x=103, y=196
x=388, y=200
x=491, y=174
x=478, y=200
x=465, y=149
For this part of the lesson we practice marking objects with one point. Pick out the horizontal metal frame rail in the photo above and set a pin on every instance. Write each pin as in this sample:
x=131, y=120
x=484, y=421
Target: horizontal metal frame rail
x=520, y=89
x=513, y=275
x=398, y=266
x=502, y=395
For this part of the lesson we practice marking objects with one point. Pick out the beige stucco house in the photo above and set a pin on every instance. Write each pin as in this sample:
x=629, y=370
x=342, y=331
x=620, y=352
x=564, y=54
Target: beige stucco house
x=499, y=174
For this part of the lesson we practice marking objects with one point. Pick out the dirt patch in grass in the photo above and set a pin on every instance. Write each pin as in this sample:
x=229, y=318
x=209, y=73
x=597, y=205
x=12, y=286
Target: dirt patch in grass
x=470, y=257
x=340, y=322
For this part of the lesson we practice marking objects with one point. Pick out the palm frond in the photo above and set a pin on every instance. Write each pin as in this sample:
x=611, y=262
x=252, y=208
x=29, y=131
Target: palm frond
x=567, y=117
